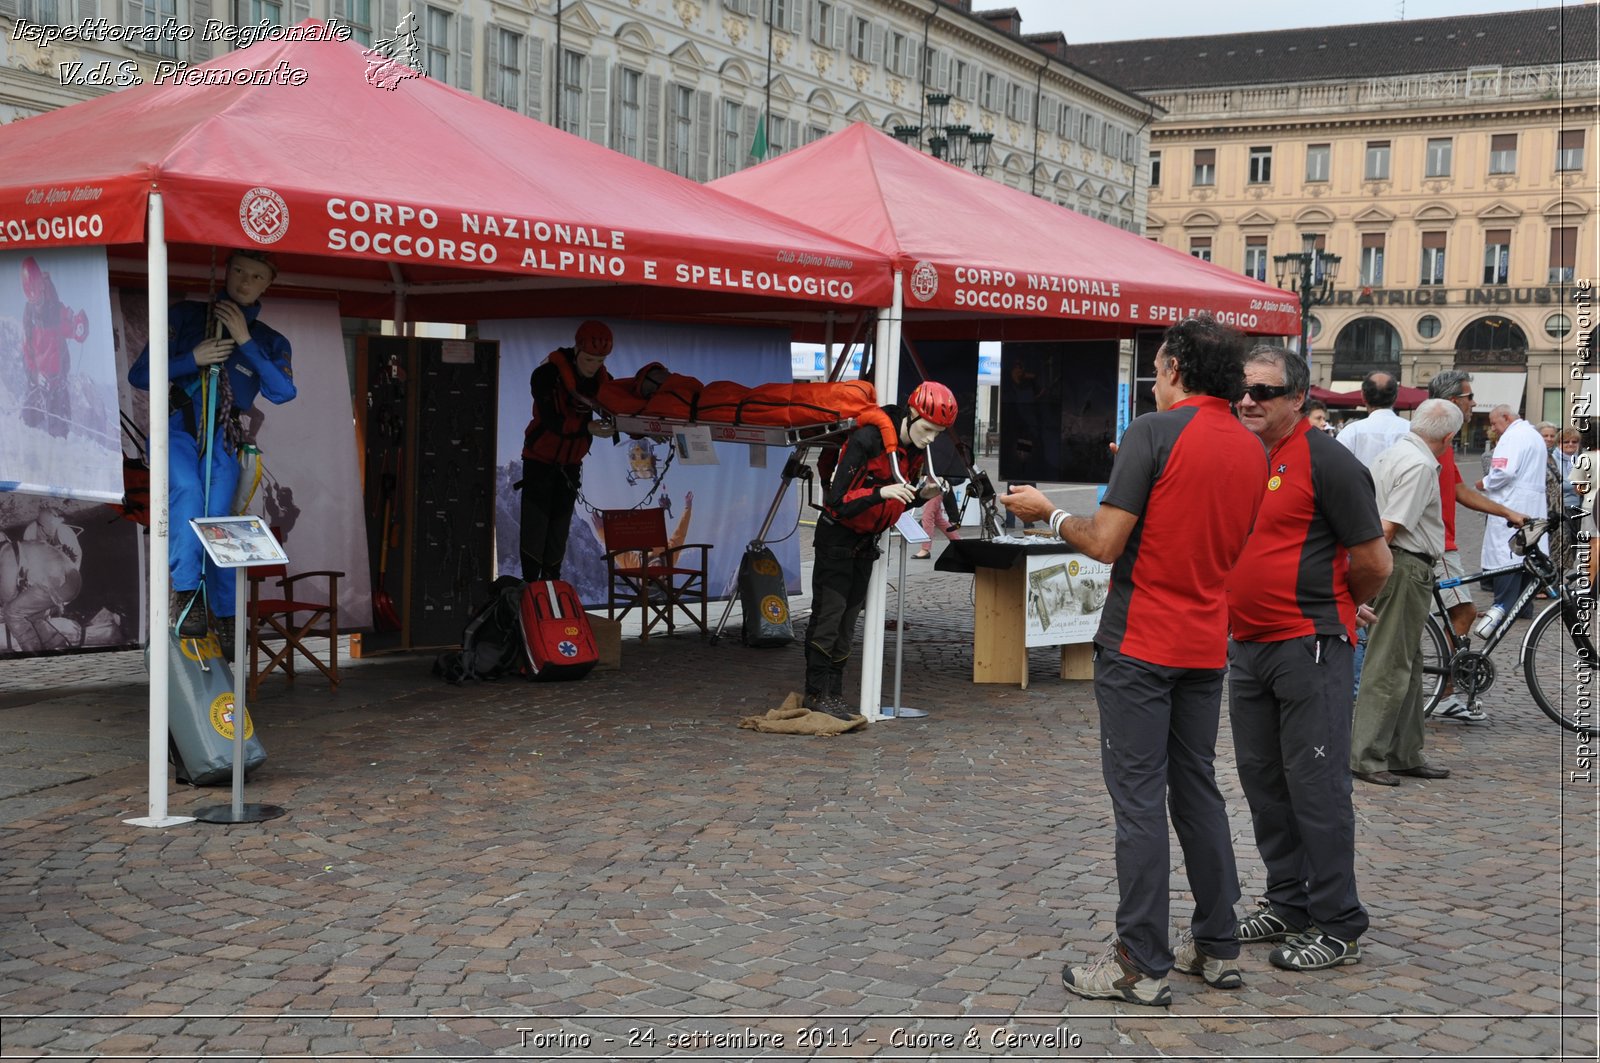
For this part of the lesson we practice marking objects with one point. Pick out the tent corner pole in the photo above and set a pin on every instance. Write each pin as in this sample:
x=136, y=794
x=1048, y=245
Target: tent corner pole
x=886, y=362
x=160, y=577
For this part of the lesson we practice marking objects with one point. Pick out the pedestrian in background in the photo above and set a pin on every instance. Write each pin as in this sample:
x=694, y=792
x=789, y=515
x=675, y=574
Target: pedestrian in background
x=1516, y=480
x=1456, y=386
x=1381, y=427
x=1183, y=495
x=1387, y=736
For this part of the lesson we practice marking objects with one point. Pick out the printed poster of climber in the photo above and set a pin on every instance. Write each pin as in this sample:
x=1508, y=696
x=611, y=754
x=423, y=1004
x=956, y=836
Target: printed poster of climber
x=723, y=504
x=58, y=386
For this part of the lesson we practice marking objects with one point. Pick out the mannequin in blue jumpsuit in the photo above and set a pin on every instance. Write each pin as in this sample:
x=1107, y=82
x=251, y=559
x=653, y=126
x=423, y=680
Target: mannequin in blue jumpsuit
x=255, y=359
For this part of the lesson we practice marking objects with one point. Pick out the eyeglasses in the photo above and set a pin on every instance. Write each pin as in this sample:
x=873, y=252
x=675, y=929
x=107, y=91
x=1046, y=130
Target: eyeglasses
x=1465, y=395
x=1264, y=392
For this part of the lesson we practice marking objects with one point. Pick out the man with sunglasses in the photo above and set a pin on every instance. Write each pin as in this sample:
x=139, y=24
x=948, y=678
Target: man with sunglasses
x=1183, y=495
x=1316, y=553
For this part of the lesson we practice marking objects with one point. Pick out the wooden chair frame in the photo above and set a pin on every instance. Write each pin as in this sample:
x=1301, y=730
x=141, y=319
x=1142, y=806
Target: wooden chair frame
x=645, y=571
x=292, y=620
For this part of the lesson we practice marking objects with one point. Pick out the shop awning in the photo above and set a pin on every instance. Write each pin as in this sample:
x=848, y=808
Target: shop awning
x=1491, y=389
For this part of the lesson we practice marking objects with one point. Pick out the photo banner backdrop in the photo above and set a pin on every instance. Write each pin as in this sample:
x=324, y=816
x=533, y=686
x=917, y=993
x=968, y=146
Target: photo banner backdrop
x=310, y=484
x=722, y=504
x=58, y=389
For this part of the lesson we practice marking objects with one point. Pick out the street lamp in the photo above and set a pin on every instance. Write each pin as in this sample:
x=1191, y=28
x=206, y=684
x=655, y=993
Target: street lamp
x=1310, y=275
x=955, y=143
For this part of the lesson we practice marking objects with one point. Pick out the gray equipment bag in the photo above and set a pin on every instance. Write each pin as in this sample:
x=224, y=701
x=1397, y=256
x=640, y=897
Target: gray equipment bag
x=764, y=599
x=200, y=713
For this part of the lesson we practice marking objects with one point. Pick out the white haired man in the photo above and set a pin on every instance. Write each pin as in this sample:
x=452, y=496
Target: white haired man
x=1387, y=734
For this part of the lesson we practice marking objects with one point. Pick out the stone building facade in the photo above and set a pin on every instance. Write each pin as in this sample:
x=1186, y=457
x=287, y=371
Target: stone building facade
x=678, y=83
x=1449, y=163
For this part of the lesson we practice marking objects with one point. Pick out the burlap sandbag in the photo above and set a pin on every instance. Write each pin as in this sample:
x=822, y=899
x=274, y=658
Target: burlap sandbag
x=791, y=718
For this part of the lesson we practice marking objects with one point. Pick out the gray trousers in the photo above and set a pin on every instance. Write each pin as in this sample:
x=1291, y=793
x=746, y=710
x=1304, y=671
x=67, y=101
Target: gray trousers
x=1388, y=734
x=1289, y=702
x=1158, y=738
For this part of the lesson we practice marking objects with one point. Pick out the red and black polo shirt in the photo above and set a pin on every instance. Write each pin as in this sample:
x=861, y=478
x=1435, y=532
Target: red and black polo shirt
x=1293, y=578
x=1449, y=476
x=1194, y=476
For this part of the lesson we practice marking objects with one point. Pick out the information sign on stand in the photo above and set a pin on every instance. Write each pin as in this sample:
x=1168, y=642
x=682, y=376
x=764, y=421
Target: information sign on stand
x=239, y=542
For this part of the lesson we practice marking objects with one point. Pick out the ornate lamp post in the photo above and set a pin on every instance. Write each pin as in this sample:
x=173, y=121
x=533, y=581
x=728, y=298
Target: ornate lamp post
x=956, y=144
x=1310, y=275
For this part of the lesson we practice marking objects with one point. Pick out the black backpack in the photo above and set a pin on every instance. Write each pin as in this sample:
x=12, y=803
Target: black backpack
x=491, y=643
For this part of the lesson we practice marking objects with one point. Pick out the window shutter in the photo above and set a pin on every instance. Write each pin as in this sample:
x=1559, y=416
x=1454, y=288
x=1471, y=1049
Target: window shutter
x=491, y=63
x=299, y=11
x=652, y=119
x=533, y=77
x=134, y=11
x=819, y=30
x=10, y=9
x=339, y=9
x=91, y=9
x=913, y=58
x=464, y=52
x=389, y=16
x=1433, y=240
x=841, y=27
x=613, y=132
x=199, y=50
x=748, y=137
x=794, y=16
x=879, y=36
x=702, y=136
x=598, y=98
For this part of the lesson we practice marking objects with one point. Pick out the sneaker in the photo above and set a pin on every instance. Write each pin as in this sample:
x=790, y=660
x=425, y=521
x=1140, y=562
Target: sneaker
x=1315, y=951
x=1265, y=924
x=1454, y=708
x=832, y=704
x=1114, y=977
x=190, y=624
x=1218, y=973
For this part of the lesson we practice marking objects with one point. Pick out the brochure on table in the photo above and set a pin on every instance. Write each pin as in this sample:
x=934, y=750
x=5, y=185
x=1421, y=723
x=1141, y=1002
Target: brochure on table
x=1065, y=596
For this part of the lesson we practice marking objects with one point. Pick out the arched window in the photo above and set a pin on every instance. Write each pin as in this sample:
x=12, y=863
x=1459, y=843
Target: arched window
x=1367, y=340
x=1492, y=334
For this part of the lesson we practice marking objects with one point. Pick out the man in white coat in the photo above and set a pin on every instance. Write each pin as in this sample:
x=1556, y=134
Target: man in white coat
x=1516, y=481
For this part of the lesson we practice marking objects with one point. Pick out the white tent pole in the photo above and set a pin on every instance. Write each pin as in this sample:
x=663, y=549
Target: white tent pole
x=886, y=359
x=160, y=577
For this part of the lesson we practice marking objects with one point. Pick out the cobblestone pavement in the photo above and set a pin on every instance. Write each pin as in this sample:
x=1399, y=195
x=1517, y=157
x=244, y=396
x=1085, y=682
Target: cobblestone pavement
x=613, y=869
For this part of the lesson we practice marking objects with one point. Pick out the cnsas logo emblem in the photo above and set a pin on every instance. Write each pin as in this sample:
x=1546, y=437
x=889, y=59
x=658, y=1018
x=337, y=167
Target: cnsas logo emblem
x=766, y=566
x=1274, y=483
x=222, y=713
x=775, y=609
x=263, y=215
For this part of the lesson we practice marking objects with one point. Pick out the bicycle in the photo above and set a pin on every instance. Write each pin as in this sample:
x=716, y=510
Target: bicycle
x=1545, y=657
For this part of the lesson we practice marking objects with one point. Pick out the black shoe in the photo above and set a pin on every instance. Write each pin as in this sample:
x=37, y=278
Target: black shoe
x=831, y=704
x=1380, y=778
x=1424, y=771
x=189, y=613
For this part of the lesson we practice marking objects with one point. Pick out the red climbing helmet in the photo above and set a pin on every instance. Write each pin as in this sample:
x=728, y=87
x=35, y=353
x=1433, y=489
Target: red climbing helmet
x=593, y=338
x=935, y=402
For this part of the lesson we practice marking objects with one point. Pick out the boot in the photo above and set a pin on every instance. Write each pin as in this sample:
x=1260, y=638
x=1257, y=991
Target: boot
x=191, y=624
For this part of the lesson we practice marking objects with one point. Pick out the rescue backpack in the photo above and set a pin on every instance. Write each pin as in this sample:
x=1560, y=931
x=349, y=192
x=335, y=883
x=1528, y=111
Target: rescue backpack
x=491, y=643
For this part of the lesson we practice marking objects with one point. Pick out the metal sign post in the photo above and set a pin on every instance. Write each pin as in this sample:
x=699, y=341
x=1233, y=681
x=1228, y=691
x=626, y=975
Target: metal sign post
x=908, y=530
x=239, y=542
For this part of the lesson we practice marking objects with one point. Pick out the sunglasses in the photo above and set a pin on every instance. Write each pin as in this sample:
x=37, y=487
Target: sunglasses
x=1264, y=392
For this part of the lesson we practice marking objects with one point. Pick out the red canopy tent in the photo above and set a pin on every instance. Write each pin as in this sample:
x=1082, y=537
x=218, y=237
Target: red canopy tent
x=975, y=259
x=1410, y=398
x=413, y=197
x=993, y=259
x=421, y=190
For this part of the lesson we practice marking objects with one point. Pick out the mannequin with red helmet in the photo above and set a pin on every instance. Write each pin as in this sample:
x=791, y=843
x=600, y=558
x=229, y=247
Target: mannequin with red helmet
x=564, y=388
x=878, y=476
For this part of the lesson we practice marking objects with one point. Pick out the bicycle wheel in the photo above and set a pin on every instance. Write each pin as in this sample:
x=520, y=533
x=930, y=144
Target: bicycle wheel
x=1435, y=663
x=1551, y=648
